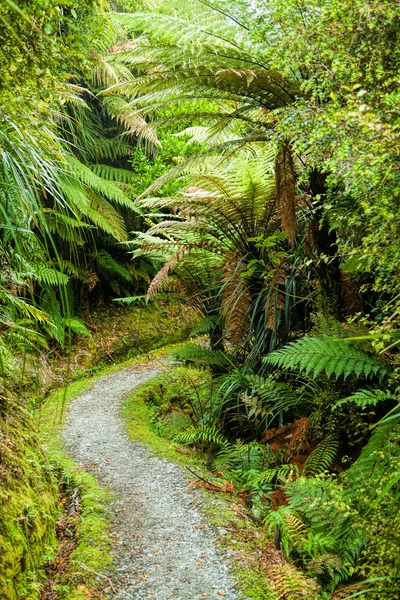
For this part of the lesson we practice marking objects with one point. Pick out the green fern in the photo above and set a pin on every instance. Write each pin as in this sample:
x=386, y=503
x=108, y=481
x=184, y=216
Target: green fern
x=48, y=276
x=363, y=398
x=49, y=303
x=112, y=174
x=131, y=300
x=322, y=456
x=107, y=262
x=207, y=434
x=282, y=474
x=327, y=354
x=100, y=185
x=201, y=356
x=76, y=326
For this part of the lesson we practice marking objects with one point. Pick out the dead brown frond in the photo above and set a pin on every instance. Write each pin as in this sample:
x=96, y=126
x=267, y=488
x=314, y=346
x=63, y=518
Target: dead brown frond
x=235, y=298
x=163, y=274
x=286, y=191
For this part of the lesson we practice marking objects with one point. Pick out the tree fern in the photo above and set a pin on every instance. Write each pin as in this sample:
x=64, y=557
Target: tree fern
x=334, y=356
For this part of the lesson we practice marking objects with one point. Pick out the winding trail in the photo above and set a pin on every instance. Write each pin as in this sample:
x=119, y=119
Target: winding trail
x=165, y=549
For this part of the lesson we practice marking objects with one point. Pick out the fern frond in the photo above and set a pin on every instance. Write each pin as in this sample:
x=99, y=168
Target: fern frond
x=76, y=326
x=201, y=356
x=50, y=304
x=322, y=456
x=107, y=262
x=48, y=276
x=363, y=398
x=327, y=354
x=112, y=173
x=206, y=325
x=130, y=300
x=208, y=434
x=288, y=583
x=100, y=185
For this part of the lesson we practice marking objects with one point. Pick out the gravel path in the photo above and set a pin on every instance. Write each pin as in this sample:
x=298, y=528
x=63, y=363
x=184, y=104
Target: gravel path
x=165, y=549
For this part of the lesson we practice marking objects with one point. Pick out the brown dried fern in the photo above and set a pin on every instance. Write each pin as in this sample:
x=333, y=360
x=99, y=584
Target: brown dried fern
x=286, y=191
x=235, y=298
x=288, y=583
x=163, y=274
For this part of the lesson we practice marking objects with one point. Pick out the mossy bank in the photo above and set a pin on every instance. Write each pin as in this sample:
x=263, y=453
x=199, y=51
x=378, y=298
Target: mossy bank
x=28, y=505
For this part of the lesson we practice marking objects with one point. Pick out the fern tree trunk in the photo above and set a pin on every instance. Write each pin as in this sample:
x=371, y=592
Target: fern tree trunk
x=326, y=263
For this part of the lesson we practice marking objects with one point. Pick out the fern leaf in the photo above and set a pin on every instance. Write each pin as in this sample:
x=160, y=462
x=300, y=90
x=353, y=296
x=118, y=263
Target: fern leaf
x=322, y=456
x=100, y=185
x=77, y=326
x=107, y=262
x=201, y=355
x=49, y=276
x=208, y=434
x=363, y=398
x=130, y=300
x=327, y=354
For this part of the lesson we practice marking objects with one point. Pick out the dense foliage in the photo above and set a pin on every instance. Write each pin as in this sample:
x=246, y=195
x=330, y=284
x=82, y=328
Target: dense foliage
x=243, y=156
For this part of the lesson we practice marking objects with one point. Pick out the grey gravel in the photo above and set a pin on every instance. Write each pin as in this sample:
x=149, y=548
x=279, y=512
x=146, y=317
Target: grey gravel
x=164, y=547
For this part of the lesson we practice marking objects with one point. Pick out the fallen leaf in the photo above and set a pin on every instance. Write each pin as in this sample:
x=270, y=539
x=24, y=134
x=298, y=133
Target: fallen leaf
x=221, y=593
x=199, y=563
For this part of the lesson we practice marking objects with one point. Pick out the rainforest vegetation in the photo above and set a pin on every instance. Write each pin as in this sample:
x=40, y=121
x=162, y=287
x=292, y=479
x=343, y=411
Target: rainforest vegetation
x=240, y=158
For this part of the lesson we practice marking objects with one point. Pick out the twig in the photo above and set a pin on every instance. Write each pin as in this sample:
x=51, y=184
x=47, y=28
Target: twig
x=217, y=488
x=98, y=574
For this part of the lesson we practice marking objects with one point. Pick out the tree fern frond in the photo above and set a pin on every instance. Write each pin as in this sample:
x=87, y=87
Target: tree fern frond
x=327, y=354
x=322, y=456
x=208, y=434
x=107, y=262
x=365, y=398
x=100, y=185
x=201, y=355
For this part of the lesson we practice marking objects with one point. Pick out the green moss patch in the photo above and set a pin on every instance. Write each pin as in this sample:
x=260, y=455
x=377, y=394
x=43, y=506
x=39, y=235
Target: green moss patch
x=28, y=506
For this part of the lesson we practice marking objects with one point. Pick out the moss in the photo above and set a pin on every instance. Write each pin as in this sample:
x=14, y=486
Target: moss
x=28, y=505
x=125, y=332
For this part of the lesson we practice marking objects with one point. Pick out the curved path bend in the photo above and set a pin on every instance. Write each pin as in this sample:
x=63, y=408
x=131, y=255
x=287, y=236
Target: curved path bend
x=164, y=548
